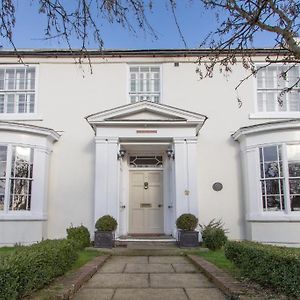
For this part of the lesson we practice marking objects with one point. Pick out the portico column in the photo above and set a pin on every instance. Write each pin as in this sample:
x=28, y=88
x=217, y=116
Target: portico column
x=186, y=176
x=106, y=178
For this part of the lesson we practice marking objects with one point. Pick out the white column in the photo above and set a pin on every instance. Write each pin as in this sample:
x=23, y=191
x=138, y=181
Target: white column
x=186, y=176
x=106, y=178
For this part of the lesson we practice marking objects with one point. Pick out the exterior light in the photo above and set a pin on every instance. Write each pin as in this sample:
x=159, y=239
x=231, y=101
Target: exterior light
x=121, y=153
x=170, y=153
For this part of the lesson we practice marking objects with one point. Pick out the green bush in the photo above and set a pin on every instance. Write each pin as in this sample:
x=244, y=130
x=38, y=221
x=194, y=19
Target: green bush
x=106, y=223
x=187, y=222
x=214, y=235
x=274, y=267
x=30, y=268
x=80, y=236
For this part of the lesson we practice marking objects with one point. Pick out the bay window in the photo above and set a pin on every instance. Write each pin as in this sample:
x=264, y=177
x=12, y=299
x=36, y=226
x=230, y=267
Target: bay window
x=16, y=175
x=280, y=177
x=17, y=90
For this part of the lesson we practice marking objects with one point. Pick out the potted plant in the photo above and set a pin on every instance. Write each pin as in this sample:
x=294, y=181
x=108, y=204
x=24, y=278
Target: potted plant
x=187, y=236
x=104, y=236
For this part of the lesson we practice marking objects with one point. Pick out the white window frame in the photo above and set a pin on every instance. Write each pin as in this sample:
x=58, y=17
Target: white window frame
x=287, y=211
x=139, y=65
x=9, y=178
x=24, y=116
x=269, y=115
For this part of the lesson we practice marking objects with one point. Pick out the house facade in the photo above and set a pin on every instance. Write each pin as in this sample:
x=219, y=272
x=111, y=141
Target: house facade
x=139, y=136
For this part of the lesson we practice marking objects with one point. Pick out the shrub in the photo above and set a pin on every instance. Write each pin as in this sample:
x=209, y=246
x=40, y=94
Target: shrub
x=79, y=235
x=30, y=268
x=275, y=267
x=187, y=222
x=106, y=223
x=214, y=235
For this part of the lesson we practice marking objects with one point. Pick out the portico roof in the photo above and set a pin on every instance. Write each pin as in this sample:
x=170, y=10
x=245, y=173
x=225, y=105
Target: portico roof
x=146, y=112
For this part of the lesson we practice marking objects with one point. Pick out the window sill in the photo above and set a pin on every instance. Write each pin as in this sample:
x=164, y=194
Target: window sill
x=275, y=115
x=21, y=117
x=22, y=216
x=274, y=217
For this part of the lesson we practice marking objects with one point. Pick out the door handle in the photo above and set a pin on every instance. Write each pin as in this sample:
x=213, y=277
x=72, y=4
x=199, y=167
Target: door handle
x=146, y=185
x=160, y=205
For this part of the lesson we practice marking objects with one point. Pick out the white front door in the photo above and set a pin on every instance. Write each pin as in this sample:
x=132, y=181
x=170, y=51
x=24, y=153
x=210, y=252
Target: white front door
x=146, y=202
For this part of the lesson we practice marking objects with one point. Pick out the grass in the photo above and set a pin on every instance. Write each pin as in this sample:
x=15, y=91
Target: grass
x=7, y=250
x=218, y=258
x=84, y=256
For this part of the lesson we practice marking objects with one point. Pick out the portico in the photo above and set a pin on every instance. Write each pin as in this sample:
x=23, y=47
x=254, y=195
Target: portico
x=145, y=166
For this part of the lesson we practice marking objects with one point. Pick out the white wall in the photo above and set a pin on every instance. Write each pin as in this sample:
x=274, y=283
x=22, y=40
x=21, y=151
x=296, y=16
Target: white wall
x=66, y=95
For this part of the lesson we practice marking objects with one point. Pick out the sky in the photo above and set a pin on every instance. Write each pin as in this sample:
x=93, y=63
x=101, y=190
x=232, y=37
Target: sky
x=195, y=23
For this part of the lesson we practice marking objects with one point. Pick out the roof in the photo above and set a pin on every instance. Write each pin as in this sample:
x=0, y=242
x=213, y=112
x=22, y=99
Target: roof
x=132, y=52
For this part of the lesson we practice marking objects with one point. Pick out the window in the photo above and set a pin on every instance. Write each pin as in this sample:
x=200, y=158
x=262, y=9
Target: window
x=144, y=83
x=276, y=171
x=270, y=83
x=16, y=173
x=17, y=90
x=146, y=161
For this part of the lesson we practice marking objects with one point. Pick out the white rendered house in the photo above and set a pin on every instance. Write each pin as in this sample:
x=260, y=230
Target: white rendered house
x=143, y=139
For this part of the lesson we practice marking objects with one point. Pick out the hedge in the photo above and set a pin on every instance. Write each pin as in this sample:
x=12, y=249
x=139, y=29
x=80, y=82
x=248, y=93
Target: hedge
x=30, y=268
x=274, y=267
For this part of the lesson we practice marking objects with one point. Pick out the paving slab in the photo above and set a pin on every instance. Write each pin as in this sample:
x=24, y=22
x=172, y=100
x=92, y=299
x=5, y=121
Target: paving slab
x=149, y=268
x=101, y=280
x=130, y=259
x=113, y=266
x=94, y=294
x=179, y=280
x=205, y=294
x=168, y=260
x=184, y=268
x=150, y=294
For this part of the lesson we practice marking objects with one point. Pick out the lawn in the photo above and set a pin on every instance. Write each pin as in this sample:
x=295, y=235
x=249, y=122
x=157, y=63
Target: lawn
x=6, y=250
x=84, y=256
x=218, y=258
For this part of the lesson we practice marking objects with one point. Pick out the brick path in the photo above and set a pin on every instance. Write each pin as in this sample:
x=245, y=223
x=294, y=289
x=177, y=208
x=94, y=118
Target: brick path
x=148, y=278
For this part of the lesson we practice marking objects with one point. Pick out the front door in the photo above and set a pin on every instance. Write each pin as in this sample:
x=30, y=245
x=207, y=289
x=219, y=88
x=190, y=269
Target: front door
x=146, y=202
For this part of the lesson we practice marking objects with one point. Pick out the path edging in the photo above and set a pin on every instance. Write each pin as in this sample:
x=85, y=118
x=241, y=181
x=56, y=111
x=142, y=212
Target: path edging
x=73, y=282
x=223, y=280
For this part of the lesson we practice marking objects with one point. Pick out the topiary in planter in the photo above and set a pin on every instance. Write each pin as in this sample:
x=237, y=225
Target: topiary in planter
x=104, y=236
x=187, y=222
x=106, y=223
x=187, y=236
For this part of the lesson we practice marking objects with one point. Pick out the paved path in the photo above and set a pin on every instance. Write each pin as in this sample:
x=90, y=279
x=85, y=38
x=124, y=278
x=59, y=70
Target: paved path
x=148, y=278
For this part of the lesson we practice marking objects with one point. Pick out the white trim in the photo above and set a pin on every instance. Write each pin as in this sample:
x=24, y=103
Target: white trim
x=266, y=127
x=275, y=115
x=21, y=117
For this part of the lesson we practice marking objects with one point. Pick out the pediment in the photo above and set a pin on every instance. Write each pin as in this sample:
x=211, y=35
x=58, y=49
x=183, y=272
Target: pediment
x=146, y=112
x=145, y=115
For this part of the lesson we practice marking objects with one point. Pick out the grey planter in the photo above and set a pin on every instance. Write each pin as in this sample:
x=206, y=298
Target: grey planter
x=104, y=239
x=188, y=239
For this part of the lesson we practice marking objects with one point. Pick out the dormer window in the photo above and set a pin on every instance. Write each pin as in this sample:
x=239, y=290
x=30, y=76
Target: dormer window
x=145, y=83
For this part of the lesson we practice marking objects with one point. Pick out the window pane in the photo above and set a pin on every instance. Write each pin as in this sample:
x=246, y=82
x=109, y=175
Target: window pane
x=21, y=103
x=260, y=101
x=3, y=153
x=294, y=100
x=20, y=79
x=295, y=186
x=2, y=193
x=295, y=202
x=274, y=203
x=270, y=153
x=10, y=79
x=10, y=103
x=271, y=99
